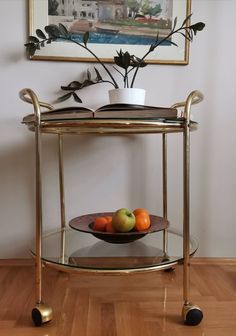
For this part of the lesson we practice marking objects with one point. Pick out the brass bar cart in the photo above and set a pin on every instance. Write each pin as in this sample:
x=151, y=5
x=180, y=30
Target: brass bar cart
x=59, y=249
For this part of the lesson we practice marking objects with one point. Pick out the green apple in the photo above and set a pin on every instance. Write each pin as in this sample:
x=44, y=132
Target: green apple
x=123, y=220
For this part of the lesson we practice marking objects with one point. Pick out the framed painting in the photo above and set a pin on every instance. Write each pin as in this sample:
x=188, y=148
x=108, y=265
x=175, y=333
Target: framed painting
x=130, y=25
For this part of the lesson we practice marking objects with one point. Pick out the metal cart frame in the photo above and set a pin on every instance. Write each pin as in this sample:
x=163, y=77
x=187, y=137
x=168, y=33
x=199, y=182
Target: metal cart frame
x=41, y=313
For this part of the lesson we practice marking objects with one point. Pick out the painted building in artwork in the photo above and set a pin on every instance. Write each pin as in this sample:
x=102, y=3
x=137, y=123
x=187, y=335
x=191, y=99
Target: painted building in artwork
x=112, y=9
x=67, y=7
x=92, y=9
x=106, y=9
x=87, y=9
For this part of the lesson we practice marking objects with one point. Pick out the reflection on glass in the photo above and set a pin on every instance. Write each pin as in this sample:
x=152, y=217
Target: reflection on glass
x=83, y=250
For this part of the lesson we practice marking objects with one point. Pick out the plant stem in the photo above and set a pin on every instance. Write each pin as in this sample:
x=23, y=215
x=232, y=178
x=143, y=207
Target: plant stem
x=149, y=51
x=118, y=71
x=126, y=82
x=99, y=61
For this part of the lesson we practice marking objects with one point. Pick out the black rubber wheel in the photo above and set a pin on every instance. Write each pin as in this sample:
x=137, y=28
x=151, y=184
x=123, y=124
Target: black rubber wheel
x=36, y=317
x=194, y=317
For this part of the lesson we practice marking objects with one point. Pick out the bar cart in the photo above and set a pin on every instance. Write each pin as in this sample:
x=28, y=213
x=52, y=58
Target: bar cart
x=75, y=248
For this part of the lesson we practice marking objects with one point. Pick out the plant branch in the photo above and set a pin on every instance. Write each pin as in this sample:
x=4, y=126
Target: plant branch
x=98, y=59
x=123, y=60
x=188, y=35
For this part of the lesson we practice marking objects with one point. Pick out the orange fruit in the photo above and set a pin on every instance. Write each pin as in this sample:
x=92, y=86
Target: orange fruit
x=109, y=227
x=100, y=224
x=142, y=222
x=108, y=218
x=140, y=211
x=142, y=219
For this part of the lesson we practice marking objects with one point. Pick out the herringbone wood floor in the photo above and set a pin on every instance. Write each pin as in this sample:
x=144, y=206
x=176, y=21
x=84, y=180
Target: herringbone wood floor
x=136, y=305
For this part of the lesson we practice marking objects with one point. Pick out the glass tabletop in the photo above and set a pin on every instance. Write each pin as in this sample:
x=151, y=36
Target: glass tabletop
x=70, y=248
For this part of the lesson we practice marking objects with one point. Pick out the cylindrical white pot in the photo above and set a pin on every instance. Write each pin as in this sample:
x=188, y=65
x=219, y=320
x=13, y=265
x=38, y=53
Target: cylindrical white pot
x=127, y=96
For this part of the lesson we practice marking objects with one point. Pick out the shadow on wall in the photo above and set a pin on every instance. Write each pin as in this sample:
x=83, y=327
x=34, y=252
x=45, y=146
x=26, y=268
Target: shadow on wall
x=112, y=171
x=101, y=173
x=16, y=194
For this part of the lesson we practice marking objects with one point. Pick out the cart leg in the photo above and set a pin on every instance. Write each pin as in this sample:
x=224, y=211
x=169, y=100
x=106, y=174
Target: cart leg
x=41, y=313
x=164, y=188
x=192, y=314
x=164, y=192
x=62, y=197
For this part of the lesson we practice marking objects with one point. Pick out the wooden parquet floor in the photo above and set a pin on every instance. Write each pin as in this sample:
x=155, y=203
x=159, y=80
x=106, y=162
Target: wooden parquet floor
x=136, y=305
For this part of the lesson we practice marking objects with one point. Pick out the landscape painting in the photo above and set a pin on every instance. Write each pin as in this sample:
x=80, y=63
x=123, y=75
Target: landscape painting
x=114, y=21
x=113, y=25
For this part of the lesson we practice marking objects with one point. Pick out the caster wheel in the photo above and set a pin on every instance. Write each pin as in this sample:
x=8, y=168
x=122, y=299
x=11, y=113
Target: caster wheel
x=192, y=315
x=41, y=314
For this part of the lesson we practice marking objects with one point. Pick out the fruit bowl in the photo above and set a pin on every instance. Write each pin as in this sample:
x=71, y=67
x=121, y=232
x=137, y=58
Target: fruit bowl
x=85, y=224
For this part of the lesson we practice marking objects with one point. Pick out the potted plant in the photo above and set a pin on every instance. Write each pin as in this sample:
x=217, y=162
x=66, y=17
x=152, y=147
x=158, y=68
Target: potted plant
x=126, y=65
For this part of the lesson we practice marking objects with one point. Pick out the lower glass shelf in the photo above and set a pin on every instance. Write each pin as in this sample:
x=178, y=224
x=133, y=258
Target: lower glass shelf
x=70, y=249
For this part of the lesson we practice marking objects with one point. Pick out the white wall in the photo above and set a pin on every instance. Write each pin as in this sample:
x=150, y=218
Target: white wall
x=105, y=173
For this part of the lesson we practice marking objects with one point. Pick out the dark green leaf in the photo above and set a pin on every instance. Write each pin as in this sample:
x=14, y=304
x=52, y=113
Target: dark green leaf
x=75, y=85
x=126, y=59
x=119, y=53
x=99, y=77
x=117, y=60
x=66, y=88
x=63, y=30
x=173, y=43
x=152, y=47
x=87, y=83
x=42, y=44
x=53, y=31
x=88, y=75
x=29, y=44
x=40, y=34
x=197, y=27
x=137, y=62
x=31, y=49
x=123, y=59
x=76, y=98
x=188, y=34
x=86, y=38
x=33, y=39
x=64, y=97
x=175, y=23
x=157, y=37
x=143, y=64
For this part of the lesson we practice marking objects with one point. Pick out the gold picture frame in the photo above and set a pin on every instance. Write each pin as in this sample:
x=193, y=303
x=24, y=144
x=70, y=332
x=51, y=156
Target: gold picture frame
x=106, y=49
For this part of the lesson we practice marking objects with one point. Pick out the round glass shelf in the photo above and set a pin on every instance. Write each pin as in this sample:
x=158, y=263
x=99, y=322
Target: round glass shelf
x=71, y=249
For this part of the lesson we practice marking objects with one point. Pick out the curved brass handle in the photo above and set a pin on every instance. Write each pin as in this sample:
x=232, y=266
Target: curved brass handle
x=30, y=97
x=194, y=97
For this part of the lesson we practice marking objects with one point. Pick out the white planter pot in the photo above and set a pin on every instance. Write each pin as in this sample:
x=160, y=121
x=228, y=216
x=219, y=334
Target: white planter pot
x=127, y=96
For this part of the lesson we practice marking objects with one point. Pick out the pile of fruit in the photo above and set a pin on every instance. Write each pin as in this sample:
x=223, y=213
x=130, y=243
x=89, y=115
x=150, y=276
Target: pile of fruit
x=123, y=220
